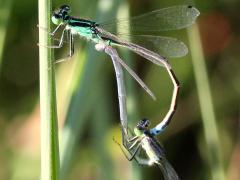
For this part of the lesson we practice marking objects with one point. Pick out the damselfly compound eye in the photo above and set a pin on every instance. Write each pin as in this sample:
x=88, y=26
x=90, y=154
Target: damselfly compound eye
x=143, y=124
x=56, y=18
x=65, y=8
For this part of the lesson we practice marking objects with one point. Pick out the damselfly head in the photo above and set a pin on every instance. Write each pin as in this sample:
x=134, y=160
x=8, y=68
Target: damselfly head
x=60, y=15
x=143, y=124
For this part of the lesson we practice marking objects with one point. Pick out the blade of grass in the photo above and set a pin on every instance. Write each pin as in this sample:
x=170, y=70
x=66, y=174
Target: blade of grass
x=100, y=130
x=49, y=125
x=75, y=118
x=206, y=105
x=5, y=9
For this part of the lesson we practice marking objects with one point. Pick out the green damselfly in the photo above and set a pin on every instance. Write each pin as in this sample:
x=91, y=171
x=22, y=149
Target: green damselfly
x=144, y=139
x=171, y=18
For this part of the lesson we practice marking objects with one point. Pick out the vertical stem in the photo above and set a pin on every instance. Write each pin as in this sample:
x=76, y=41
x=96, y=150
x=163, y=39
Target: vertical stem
x=5, y=9
x=100, y=128
x=49, y=131
x=206, y=105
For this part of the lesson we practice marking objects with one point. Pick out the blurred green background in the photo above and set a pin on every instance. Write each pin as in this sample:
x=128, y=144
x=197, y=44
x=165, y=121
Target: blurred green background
x=87, y=96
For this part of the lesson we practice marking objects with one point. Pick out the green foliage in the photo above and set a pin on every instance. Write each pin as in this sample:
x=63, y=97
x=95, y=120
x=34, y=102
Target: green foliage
x=48, y=107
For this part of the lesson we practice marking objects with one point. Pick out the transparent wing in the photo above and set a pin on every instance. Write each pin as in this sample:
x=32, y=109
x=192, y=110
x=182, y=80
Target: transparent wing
x=144, y=52
x=175, y=17
x=166, y=46
x=167, y=170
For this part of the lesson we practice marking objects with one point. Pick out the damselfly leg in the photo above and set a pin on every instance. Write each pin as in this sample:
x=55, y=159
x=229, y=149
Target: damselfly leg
x=71, y=48
x=70, y=41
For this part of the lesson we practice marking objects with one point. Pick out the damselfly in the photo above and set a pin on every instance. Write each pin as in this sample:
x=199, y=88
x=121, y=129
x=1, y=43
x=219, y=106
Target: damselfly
x=144, y=139
x=176, y=17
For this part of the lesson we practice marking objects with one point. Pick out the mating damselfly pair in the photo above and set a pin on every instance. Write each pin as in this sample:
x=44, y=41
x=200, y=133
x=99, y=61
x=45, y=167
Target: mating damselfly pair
x=176, y=17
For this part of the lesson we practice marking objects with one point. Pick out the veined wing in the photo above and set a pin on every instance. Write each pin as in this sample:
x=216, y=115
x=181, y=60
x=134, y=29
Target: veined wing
x=144, y=52
x=166, y=46
x=168, y=170
x=171, y=18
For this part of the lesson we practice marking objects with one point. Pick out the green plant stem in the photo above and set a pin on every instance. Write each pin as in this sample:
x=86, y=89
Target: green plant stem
x=206, y=105
x=5, y=9
x=101, y=121
x=49, y=127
